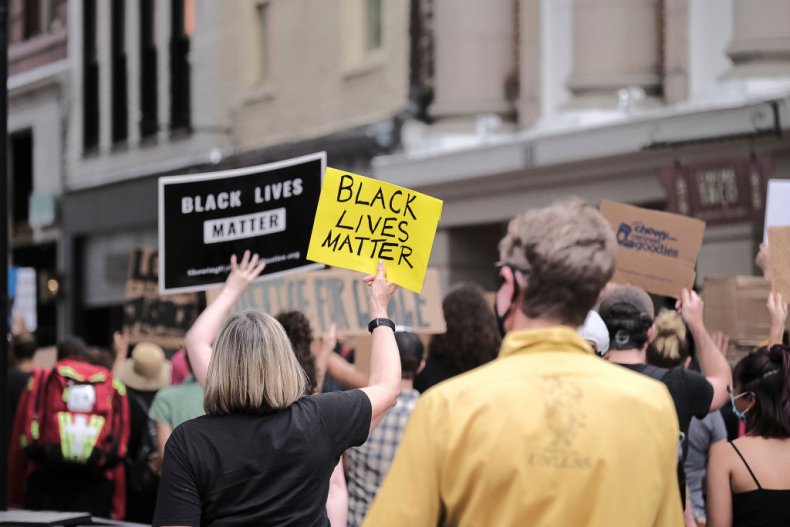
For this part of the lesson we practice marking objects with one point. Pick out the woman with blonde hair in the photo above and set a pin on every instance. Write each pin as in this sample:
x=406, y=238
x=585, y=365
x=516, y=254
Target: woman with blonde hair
x=265, y=450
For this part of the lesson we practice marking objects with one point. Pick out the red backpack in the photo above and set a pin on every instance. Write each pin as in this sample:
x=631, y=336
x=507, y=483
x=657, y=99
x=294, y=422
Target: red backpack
x=75, y=413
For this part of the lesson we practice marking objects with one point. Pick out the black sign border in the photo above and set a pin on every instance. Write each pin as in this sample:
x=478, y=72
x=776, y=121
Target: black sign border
x=236, y=172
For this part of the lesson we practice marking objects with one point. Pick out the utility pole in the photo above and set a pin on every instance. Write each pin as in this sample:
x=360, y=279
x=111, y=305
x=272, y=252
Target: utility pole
x=4, y=253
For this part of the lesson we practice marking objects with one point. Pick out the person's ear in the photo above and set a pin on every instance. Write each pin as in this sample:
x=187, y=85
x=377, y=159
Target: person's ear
x=420, y=367
x=504, y=295
x=651, y=333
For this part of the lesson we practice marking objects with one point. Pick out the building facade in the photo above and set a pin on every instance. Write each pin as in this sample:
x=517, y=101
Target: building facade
x=494, y=107
x=37, y=94
x=164, y=87
x=677, y=105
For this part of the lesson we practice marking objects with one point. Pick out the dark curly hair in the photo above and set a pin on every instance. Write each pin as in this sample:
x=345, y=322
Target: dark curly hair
x=297, y=327
x=472, y=337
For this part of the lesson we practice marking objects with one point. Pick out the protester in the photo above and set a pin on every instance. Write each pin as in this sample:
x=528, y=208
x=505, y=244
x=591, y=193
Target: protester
x=23, y=347
x=367, y=465
x=265, y=450
x=596, y=334
x=69, y=438
x=749, y=478
x=546, y=434
x=144, y=373
x=669, y=349
x=299, y=332
x=174, y=405
x=471, y=338
x=628, y=313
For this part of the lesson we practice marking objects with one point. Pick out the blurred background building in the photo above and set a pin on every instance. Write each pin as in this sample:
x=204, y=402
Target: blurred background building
x=493, y=106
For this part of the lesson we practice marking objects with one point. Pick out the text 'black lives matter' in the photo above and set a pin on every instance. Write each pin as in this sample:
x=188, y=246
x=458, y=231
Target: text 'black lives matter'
x=205, y=218
x=375, y=235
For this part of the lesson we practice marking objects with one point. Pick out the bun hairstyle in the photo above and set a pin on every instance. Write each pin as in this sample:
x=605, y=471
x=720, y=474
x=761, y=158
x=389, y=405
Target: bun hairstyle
x=765, y=374
x=669, y=347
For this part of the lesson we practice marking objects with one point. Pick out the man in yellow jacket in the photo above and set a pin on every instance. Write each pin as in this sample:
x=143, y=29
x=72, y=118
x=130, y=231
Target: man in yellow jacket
x=548, y=434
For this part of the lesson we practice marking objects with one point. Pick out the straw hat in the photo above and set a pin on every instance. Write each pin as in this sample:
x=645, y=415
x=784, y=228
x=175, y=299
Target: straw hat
x=147, y=369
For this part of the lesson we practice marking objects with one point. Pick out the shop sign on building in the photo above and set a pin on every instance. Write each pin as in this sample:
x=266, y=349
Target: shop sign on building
x=718, y=192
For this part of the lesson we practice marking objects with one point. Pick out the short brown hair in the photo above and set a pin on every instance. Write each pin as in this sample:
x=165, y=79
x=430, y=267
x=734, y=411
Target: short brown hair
x=253, y=369
x=567, y=253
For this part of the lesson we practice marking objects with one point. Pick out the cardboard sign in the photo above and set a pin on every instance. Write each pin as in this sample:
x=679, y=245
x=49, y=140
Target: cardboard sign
x=362, y=220
x=341, y=297
x=149, y=316
x=737, y=306
x=204, y=219
x=777, y=212
x=779, y=242
x=655, y=250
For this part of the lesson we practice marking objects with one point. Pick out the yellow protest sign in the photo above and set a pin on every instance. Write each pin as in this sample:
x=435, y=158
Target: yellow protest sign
x=360, y=221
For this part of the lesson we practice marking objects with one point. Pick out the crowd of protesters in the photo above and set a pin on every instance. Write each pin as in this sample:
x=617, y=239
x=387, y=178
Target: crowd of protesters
x=574, y=401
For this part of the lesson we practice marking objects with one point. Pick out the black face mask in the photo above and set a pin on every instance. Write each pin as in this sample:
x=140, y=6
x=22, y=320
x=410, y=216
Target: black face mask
x=500, y=319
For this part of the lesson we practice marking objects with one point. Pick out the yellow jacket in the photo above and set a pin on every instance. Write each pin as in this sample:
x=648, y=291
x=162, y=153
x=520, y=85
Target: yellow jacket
x=548, y=434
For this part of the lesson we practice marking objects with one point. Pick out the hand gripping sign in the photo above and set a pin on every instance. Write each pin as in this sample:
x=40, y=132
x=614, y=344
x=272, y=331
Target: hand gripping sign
x=360, y=221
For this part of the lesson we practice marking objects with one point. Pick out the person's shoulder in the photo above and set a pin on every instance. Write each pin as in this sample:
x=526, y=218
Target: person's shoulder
x=721, y=453
x=691, y=376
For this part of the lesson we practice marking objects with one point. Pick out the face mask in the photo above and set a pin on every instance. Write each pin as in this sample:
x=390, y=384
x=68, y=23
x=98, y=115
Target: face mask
x=500, y=319
x=740, y=415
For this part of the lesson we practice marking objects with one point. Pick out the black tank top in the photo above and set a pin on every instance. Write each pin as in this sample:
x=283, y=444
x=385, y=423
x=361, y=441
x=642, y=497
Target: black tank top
x=761, y=507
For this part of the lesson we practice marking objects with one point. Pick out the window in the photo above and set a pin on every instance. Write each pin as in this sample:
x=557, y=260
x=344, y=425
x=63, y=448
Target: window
x=373, y=25
x=149, y=120
x=182, y=20
x=264, y=42
x=21, y=146
x=31, y=16
x=119, y=103
x=90, y=78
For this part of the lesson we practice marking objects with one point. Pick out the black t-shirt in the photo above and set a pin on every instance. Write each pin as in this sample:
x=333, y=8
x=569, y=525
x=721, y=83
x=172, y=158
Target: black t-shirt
x=260, y=469
x=692, y=395
x=437, y=369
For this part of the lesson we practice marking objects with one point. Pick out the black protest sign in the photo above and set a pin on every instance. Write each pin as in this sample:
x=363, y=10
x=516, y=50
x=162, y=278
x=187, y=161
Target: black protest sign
x=149, y=316
x=267, y=209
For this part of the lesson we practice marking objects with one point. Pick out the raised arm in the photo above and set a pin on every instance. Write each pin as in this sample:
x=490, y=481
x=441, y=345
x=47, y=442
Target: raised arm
x=712, y=362
x=200, y=338
x=385, y=372
x=777, y=308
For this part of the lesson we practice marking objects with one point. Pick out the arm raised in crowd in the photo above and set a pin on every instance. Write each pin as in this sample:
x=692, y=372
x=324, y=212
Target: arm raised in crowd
x=385, y=370
x=200, y=337
x=777, y=308
x=712, y=363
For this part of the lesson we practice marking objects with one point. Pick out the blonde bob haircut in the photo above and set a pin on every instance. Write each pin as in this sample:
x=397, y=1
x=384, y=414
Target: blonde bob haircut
x=253, y=369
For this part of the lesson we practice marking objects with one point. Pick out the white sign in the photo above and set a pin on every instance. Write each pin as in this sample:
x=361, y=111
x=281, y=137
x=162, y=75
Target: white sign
x=777, y=209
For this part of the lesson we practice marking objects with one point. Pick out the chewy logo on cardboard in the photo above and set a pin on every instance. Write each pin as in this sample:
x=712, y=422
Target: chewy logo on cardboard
x=655, y=250
x=360, y=221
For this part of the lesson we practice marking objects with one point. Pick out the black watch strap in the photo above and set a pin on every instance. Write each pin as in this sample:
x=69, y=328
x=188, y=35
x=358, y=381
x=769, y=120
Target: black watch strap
x=376, y=322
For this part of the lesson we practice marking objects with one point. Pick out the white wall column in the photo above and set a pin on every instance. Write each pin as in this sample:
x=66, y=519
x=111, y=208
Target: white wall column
x=474, y=49
x=530, y=67
x=104, y=50
x=760, y=45
x=132, y=36
x=615, y=45
x=162, y=27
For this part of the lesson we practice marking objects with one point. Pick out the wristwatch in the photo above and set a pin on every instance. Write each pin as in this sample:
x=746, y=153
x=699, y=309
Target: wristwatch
x=376, y=322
